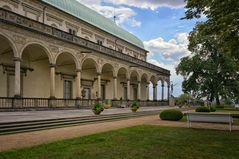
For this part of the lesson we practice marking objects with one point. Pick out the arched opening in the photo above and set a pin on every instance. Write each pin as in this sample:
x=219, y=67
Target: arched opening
x=134, y=78
x=66, y=76
x=122, y=83
x=144, y=85
x=159, y=96
x=107, y=82
x=35, y=72
x=7, y=68
x=151, y=87
x=89, y=79
x=165, y=90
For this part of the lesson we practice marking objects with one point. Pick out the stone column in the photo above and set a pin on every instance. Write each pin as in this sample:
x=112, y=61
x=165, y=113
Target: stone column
x=162, y=91
x=139, y=91
x=52, y=81
x=147, y=91
x=128, y=89
x=115, y=88
x=99, y=86
x=168, y=92
x=17, y=88
x=78, y=84
x=155, y=91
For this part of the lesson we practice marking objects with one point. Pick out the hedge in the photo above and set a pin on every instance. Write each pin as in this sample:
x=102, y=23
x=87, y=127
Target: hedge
x=202, y=109
x=171, y=114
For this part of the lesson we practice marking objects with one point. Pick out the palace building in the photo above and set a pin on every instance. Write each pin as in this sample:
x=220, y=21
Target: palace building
x=62, y=51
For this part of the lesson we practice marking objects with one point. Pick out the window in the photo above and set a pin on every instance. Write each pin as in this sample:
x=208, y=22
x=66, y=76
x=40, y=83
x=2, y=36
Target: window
x=99, y=42
x=67, y=89
x=72, y=31
x=103, y=92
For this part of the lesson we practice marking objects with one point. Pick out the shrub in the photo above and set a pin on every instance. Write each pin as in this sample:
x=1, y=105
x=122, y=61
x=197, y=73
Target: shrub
x=219, y=106
x=202, y=109
x=98, y=107
x=135, y=105
x=212, y=109
x=171, y=114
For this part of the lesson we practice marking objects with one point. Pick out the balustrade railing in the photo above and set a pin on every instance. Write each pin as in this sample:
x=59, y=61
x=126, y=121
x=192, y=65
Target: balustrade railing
x=47, y=103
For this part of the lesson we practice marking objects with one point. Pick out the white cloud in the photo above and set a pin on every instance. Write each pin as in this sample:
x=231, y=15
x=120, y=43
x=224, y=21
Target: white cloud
x=124, y=15
x=150, y=4
x=173, y=49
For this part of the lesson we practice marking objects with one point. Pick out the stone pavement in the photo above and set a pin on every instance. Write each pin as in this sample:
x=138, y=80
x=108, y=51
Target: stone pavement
x=54, y=114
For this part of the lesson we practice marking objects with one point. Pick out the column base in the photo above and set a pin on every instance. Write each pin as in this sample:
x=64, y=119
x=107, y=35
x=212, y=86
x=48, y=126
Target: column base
x=17, y=96
x=52, y=97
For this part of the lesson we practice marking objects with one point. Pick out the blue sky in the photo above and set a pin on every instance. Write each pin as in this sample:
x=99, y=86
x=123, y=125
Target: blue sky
x=157, y=23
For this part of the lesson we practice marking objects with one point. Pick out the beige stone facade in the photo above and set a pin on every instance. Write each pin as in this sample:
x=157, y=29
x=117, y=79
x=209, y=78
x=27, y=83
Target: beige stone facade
x=39, y=61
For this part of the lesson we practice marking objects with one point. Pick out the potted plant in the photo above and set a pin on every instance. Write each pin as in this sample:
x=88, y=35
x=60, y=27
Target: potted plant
x=134, y=106
x=97, y=108
x=106, y=104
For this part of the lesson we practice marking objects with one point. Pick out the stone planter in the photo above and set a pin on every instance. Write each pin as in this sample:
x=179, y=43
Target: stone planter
x=97, y=112
x=134, y=109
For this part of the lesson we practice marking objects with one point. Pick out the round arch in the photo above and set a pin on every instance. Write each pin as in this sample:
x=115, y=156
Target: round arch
x=134, y=72
x=122, y=69
x=74, y=57
x=91, y=60
x=109, y=66
x=144, y=76
x=153, y=79
x=12, y=44
x=38, y=44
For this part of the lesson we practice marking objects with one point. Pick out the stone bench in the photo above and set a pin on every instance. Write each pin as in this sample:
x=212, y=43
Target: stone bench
x=210, y=118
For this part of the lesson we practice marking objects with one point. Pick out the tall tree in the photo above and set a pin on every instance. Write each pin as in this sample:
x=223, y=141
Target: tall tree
x=207, y=72
x=222, y=22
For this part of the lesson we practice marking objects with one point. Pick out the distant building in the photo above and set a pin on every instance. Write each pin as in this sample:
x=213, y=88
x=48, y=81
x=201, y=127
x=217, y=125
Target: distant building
x=62, y=49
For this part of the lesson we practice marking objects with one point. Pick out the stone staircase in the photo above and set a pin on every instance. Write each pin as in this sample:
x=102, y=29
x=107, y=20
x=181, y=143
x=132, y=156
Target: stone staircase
x=35, y=125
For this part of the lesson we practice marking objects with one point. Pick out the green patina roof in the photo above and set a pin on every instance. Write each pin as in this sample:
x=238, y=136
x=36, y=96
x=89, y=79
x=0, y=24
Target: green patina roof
x=82, y=12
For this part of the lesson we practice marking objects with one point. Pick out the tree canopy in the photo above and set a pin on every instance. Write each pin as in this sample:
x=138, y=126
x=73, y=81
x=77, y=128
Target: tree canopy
x=207, y=71
x=222, y=22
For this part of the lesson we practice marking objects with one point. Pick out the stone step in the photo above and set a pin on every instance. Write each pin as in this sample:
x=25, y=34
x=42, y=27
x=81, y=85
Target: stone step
x=17, y=127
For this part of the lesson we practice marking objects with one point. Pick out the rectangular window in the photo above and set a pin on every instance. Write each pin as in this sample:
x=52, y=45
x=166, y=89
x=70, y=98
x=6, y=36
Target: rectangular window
x=72, y=31
x=103, y=92
x=99, y=42
x=67, y=89
x=125, y=93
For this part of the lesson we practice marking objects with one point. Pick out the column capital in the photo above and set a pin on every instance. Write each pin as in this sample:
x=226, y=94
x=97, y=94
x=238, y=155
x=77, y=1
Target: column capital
x=17, y=59
x=114, y=77
x=139, y=82
x=162, y=85
x=128, y=79
x=52, y=65
x=98, y=74
x=78, y=70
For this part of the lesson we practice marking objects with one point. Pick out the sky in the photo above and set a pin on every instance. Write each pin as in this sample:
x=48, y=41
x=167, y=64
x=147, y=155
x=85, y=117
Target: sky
x=157, y=23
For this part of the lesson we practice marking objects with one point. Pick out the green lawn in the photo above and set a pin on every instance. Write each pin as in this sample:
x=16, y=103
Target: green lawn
x=141, y=142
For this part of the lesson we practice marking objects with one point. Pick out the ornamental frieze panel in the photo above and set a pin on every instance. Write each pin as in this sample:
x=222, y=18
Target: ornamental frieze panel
x=19, y=39
x=54, y=49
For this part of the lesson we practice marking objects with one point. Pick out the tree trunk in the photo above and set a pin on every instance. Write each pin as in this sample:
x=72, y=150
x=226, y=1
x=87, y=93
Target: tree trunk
x=217, y=99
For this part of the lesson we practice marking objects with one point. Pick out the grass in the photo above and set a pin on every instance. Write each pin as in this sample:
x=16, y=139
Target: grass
x=140, y=142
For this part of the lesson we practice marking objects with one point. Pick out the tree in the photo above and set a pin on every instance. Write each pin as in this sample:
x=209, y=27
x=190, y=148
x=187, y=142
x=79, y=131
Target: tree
x=207, y=71
x=222, y=22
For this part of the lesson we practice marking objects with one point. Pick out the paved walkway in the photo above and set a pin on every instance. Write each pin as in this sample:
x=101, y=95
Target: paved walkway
x=14, y=141
x=54, y=114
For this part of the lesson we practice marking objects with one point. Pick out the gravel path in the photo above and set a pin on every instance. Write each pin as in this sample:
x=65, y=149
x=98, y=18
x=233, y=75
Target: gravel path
x=14, y=141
